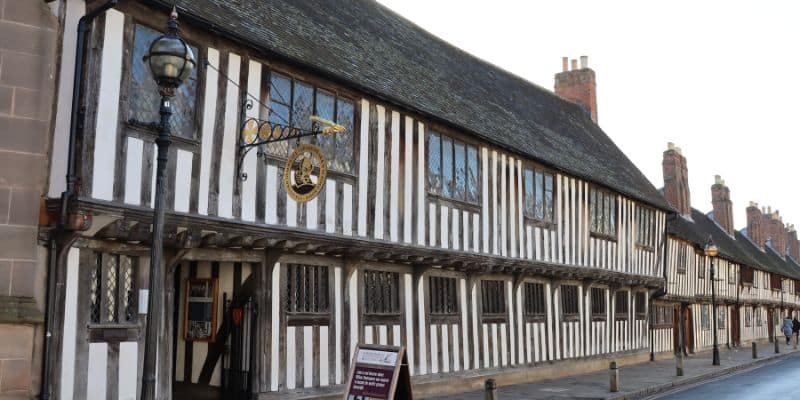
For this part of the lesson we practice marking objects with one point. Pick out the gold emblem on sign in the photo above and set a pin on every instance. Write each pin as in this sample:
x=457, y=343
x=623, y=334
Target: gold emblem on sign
x=304, y=173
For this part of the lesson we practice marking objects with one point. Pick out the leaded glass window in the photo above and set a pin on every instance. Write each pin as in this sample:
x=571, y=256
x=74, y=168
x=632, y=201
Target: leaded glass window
x=292, y=102
x=452, y=169
x=443, y=295
x=538, y=188
x=493, y=301
x=381, y=292
x=112, y=294
x=144, y=99
x=603, y=210
x=598, y=302
x=569, y=300
x=307, y=289
x=645, y=226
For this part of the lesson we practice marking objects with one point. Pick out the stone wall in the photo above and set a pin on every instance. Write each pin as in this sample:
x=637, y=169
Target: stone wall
x=28, y=58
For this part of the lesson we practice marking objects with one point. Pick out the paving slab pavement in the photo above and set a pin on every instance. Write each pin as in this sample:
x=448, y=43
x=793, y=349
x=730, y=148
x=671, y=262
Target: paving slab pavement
x=636, y=381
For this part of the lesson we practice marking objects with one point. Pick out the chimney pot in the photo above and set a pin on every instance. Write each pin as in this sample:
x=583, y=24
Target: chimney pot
x=753, y=204
x=717, y=180
x=574, y=64
x=678, y=149
x=564, y=64
x=584, y=62
x=670, y=146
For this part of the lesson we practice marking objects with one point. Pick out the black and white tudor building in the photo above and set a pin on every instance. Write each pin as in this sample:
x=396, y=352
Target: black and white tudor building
x=477, y=219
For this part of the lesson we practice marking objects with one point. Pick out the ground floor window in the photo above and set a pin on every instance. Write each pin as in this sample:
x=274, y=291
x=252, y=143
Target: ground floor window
x=493, y=300
x=598, y=303
x=534, y=299
x=569, y=301
x=705, y=320
x=381, y=292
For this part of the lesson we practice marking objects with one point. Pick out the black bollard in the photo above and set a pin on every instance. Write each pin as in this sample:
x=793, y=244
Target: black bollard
x=613, y=374
x=755, y=350
x=491, y=389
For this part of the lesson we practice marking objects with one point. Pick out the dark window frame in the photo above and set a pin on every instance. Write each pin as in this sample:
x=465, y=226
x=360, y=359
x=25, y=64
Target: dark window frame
x=570, y=302
x=382, y=293
x=534, y=300
x=304, y=305
x=443, y=296
x=682, y=260
x=621, y=304
x=661, y=316
x=435, y=184
x=645, y=227
x=333, y=145
x=603, y=213
x=640, y=305
x=493, y=300
x=536, y=194
x=599, y=307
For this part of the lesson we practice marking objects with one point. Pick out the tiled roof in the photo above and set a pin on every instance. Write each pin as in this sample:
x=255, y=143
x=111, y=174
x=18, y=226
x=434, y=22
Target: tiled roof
x=365, y=45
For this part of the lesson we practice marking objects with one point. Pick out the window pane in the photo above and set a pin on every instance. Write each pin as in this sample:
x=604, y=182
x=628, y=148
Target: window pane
x=302, y=105
x=612, y=220
x=279, y=113
x=459, y=191
x=434, y=163
x=345, y=115
x=529, y=200
x=473, y=194
x=593, y=210
x=548, y=197
x=280, y=90
x=144, y=98
x=539, y=193
x=447, y=167
x=324, y=109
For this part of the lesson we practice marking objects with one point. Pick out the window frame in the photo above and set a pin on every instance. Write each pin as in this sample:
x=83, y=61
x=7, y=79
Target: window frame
x=705, y=317
x=443, y=135
x=602, y=315
x=609, y=230
x=531, y=307
x=681, y=266
x=548, y=217
x=645, y=238
x=381, y=315
x=317, y=87
x=623, y=295
x=455, y=313
x=661, y=316
x=95, y=263
x=141, y=129
x=486, y=286
x=640, y=305
x=573, y=289
x=308, y=317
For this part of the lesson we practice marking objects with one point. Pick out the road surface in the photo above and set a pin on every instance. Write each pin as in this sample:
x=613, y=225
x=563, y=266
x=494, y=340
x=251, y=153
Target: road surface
x=780, y=380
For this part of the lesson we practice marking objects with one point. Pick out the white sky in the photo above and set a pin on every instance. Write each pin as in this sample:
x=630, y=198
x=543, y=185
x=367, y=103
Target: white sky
x=717, y=78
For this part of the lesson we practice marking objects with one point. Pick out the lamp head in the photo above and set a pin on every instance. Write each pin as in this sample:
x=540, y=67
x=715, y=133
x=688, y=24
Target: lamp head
x=711, y=249
x=169, y=58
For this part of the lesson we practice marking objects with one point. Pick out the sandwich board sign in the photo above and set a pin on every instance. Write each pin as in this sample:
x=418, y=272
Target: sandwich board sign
x=379, y=373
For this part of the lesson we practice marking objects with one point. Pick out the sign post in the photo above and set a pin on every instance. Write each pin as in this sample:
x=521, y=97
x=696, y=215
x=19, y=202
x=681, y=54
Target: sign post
x=379, y=373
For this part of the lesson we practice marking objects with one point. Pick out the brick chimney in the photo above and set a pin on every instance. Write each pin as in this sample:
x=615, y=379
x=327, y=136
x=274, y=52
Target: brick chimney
x=777, y=232
x=792, y=243
x=676, y=180
x=723, y=208
x=756, y=228
x=578, y=85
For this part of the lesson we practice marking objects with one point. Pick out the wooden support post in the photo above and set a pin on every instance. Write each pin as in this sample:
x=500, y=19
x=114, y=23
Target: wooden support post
x=613, y=374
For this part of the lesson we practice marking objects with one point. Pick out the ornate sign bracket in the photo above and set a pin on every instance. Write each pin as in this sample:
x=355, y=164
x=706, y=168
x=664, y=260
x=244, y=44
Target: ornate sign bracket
x=257, y=133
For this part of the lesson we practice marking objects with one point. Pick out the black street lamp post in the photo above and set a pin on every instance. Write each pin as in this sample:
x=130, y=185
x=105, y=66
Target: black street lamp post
x=711, y=251
x=170, y=61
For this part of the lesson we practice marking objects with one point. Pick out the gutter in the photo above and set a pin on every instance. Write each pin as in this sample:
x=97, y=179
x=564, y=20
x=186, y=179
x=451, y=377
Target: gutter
x=75, y=127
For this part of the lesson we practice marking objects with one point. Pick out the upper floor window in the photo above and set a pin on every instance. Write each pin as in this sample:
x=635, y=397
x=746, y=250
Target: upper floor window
x=603, y=212
x=493, y=298
x=705, y=320
x=443, y=295
x=757, y=316
x=646, y=227
x=569, y=300
x=731, y=275
x=721, y=319
x=381, y=292
x=748, y=317
x=681, y=260
x=539, y=195
x=293, y=102
x=598, y=302
x=452, y=169
x=145, y=102
x=756, y=274
x=534, y=299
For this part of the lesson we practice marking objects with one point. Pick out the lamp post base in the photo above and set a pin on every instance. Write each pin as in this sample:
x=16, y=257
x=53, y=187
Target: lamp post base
x=715, y=356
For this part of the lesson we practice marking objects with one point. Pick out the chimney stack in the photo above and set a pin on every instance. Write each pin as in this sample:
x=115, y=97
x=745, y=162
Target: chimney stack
x=792, y=243
x=777, y=232
x=564, y=64
x=721, y=201
x=756, y=229
x=578, y=85
x=676, y=180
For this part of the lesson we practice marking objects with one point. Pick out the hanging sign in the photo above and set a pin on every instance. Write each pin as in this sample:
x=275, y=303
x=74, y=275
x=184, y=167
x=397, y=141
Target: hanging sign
x=379, y=373
x=304, y=173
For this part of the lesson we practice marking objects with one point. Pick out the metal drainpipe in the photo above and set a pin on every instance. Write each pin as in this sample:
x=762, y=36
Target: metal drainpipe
x=76, y=124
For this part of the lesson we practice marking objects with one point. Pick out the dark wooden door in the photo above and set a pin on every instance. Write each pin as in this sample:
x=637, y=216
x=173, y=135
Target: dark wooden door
x=735, y=326
x=688, y=329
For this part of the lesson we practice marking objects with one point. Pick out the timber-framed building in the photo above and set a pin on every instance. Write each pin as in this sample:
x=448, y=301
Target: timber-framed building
x=484, y=223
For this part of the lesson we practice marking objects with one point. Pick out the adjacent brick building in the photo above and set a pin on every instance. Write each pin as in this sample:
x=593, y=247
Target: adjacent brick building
x=27, y=80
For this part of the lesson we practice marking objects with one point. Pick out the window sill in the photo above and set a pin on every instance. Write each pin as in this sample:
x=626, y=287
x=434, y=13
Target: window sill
x=142, y=129
x=535, y=318
x=444, y=318
x=540, y=223
x=308, y=319
x=599, y=318
x=643, y=247
x=570, y=318
x=604, y=236
x=455, y=203
x=494, y=318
